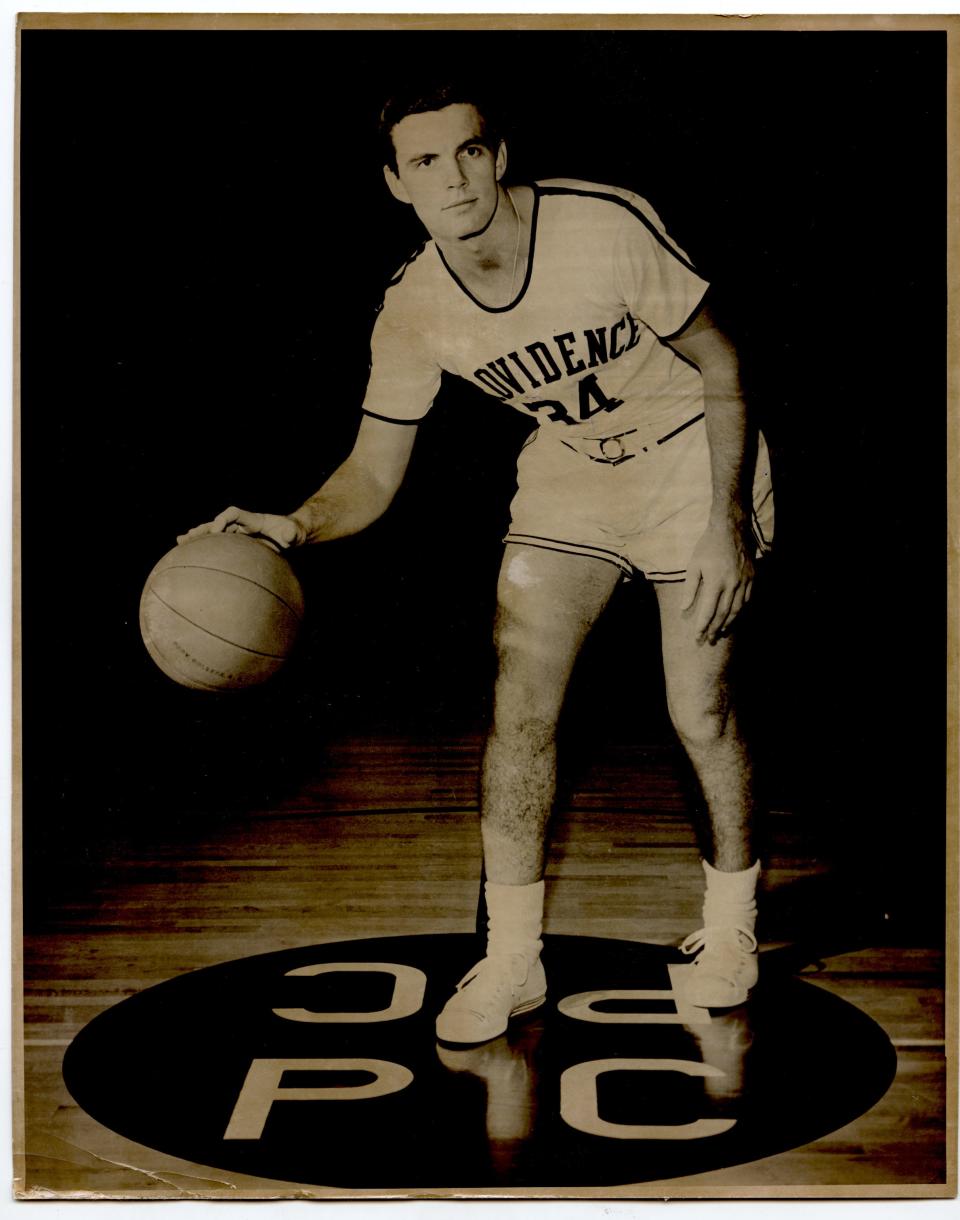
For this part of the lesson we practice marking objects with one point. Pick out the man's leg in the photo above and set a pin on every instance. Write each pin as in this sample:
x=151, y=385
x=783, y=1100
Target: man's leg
x=547, y=601
x=701, y=707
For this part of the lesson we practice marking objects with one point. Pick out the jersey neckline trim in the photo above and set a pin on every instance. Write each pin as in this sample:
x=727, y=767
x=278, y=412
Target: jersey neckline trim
x=526, y=279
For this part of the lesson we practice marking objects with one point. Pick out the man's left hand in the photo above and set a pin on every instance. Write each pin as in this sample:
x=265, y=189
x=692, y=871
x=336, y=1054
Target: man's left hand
x=719, y=579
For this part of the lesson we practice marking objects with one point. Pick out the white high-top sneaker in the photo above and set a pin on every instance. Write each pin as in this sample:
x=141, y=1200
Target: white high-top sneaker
x=510, y=979
x=725, y=967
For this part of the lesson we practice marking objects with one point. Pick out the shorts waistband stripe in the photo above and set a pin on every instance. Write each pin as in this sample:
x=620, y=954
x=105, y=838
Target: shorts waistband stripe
x=677, y=431
x=643, y=444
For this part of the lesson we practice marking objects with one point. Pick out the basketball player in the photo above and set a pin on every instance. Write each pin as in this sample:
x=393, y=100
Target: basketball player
x=568, y=301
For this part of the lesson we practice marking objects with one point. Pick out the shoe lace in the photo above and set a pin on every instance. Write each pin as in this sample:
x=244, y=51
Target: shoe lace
x=498, y=974
x=728, y=925
x=716, y=936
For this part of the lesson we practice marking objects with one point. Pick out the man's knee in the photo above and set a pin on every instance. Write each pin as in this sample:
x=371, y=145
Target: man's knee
x=532, y=672
x=546, y=604
x=701, y=721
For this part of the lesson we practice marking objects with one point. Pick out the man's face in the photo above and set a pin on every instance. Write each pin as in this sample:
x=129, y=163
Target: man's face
x=446, y=171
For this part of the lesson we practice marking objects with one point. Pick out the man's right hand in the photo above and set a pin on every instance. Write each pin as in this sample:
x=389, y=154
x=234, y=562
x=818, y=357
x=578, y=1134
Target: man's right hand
x=283, y=532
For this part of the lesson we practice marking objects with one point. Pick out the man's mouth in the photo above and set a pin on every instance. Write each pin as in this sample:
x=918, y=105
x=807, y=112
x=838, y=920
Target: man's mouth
x=461, y=203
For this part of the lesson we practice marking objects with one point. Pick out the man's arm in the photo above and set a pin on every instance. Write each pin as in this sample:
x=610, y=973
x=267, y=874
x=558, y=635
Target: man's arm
x=358, y=492
x=720, y=572
x=362, y=488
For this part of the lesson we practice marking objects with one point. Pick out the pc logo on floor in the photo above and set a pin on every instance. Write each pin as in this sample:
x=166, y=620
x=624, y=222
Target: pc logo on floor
x=320, y=1066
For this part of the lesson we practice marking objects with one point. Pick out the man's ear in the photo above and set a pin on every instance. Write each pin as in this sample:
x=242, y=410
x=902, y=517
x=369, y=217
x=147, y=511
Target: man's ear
x=396, y=187
x=501, y=161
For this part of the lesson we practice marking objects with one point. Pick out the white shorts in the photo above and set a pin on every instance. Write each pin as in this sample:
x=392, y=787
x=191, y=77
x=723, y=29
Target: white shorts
x=639, y=503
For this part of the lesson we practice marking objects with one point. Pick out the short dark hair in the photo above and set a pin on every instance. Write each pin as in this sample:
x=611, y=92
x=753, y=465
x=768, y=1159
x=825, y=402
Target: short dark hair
x=437, y=95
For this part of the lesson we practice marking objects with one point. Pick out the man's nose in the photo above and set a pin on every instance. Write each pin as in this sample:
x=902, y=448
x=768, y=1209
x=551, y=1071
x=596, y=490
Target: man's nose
x=455, y=175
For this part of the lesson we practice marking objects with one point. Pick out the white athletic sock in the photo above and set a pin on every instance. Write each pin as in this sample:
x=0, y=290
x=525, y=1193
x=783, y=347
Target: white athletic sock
x=730, y=898
x=515, y=919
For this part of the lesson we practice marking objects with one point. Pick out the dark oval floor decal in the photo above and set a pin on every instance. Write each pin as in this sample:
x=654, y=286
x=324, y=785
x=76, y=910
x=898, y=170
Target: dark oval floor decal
x=320, y=1065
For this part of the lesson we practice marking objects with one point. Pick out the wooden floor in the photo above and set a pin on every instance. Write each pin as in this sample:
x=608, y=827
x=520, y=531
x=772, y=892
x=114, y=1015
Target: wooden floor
x=385, y=842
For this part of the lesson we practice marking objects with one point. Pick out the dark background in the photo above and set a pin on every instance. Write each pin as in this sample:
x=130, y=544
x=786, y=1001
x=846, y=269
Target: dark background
x=205, y=236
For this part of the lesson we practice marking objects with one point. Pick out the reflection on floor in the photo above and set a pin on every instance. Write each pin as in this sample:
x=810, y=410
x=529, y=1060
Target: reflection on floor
x=385, y=843
x=509, y=1074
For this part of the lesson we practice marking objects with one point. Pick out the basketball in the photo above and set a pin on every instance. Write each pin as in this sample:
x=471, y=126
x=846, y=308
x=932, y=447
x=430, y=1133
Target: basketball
x=221, y=612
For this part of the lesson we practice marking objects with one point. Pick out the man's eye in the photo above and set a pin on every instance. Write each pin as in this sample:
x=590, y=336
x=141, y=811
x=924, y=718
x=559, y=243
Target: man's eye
x=424, y=161
x=473, y=150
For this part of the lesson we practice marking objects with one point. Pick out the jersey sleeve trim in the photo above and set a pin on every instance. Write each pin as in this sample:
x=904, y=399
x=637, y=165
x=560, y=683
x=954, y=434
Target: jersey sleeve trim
x=389, y=419
x=408, y=261
x=698, y=309
x=623, y=203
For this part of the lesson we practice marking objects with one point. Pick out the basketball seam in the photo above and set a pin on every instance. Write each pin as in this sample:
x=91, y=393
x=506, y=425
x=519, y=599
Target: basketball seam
x=202, y=567
x=172, y=661
x=274, y=656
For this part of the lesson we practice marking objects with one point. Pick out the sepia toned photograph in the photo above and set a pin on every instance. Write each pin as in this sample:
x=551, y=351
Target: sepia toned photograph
x=481, y=621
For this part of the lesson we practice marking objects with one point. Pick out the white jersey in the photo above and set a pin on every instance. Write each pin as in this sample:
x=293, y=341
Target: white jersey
x=579, y=348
